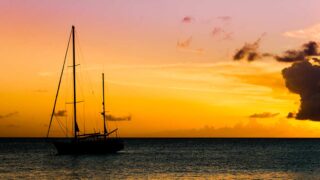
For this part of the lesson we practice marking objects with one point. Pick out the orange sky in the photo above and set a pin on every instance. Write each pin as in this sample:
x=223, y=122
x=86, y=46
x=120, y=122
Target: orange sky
x=174, y=77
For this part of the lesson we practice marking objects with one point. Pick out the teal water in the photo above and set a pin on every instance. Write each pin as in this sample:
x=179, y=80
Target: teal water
x=167, y=159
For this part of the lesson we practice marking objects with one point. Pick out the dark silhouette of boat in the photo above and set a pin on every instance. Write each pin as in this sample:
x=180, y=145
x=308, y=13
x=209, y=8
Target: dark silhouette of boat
x=95, y=146
x=94, y=143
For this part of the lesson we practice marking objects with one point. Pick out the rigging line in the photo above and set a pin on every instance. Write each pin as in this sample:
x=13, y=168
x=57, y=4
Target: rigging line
x=80, y=85
x=66, y=119
x=86, y=71
x=60, y=125
x=106, y=97
x=65, y=99
x=55, y=101
x=79, y=73
x=88, y=79
x=84, y=116
x=68, y=85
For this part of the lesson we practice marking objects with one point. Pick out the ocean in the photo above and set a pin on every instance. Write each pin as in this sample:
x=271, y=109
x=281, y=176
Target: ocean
x=167, y=158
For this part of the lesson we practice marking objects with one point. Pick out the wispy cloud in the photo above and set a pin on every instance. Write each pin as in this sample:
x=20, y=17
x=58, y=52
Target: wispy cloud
x=113, y=118
x=185, y=43
x=217, y=31
x=224, y=18
x=310, y=33
x=185, y=46
x=8, y=115
x=222, y=33
x=41, y=90
x=60, y=113
x=264, y=115
x=45, y=73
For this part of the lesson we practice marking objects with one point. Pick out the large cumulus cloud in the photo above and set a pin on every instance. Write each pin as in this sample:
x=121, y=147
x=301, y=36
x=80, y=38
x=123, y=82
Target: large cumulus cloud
x=303, y=78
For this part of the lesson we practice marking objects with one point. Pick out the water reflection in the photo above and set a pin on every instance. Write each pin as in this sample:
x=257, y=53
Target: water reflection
x=167, y=159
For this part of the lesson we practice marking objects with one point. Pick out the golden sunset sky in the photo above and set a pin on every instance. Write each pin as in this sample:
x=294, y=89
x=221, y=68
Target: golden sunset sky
x=167, y=63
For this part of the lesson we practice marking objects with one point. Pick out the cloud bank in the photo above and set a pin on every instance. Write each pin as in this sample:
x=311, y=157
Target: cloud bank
x=252, y=128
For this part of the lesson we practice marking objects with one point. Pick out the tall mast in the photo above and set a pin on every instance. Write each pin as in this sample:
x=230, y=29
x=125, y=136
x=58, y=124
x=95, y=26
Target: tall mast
x=76, y=129
x=104, y=108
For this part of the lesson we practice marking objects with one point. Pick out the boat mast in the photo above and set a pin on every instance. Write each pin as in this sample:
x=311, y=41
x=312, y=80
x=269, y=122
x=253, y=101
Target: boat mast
x=76, y=129
x=104, y=108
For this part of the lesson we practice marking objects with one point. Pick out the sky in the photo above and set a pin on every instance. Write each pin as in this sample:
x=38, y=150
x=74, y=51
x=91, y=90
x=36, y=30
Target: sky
x=168, y=64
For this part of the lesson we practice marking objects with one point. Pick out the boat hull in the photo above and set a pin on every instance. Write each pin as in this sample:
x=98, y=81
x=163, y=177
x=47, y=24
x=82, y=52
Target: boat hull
x=89, y=147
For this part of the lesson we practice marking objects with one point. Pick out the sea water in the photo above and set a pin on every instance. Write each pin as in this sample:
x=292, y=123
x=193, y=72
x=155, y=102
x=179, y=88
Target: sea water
x=214, y=158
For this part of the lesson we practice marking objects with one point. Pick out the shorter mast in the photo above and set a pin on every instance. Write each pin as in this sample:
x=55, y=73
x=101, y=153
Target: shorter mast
x=105, y=132
x=76, y=128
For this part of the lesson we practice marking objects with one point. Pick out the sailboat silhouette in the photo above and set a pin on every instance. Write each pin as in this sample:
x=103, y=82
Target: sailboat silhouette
x=93, y=143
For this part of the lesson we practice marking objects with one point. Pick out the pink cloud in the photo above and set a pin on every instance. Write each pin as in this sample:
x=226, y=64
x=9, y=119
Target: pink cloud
x=217, y=31
x=187, y=19
x=228, y=36
x=184, y=44
x=221, y=33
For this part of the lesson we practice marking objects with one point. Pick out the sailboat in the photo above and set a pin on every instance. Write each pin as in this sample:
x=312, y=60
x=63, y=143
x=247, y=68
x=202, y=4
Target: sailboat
x=92, y=143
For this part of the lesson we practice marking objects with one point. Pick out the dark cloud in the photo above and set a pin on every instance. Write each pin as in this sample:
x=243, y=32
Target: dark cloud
x=291, y=115
x=264, y=115
x=309, y=49
x=8, y=115
x=303, y=78
x=187, y=19
x=306, y=52
x=113, y=118
x=60, y=113
x=249, y=51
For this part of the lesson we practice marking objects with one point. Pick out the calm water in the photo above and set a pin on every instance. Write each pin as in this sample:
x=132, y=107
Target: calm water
x=167, y=158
